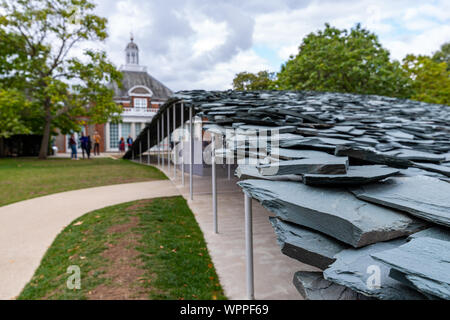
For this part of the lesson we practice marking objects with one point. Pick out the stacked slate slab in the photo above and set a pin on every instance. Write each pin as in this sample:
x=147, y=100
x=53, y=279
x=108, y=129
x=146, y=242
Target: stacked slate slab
x=359, y=185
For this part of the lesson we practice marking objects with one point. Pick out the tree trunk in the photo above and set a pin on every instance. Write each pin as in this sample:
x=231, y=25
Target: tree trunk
x=46, y=136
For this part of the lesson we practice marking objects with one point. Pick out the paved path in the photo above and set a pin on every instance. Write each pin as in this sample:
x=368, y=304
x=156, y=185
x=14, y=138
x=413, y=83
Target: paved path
x=29, y=227
x=273, y=270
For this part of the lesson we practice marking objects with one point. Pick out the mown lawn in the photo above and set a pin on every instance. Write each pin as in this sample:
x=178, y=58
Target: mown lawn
x=22, y=179
x=149, y=249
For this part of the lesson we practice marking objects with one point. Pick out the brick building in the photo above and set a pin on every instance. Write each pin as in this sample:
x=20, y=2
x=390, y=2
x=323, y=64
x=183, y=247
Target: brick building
x=140, y=96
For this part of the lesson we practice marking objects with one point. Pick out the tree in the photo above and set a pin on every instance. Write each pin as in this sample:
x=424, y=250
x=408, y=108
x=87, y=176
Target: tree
x=431, y=79
x=13, y=108
x=245, y=81
x=443, y=55
x=342, y=61
x=62, y=89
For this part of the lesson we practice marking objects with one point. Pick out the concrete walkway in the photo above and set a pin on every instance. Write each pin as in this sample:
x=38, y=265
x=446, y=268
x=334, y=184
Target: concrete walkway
x=29, y=227
x=273, y=270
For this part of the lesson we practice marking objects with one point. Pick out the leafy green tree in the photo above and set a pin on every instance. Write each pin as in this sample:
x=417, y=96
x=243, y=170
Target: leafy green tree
x=342, y=61
x=245, y=81
x=431, y=79
x=62, y=89
x=13, y=108
x=443, y=55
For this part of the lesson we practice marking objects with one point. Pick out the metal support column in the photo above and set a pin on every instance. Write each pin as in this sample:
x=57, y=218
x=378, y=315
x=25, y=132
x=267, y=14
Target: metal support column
x=214, y=182
x=191, y=155
x=174, y=149
x=158, y=142
x=229, y=171
x=162, y=140
x=148, y=145
x=249, y=247
x=140, y=151
x=182, y=143
x=168, y=142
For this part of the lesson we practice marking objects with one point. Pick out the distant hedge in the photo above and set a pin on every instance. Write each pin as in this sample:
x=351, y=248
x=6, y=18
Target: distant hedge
x=20, y=146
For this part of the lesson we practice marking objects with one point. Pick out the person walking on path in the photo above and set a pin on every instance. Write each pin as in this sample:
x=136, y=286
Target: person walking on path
x=73, y=147
x=97, y=139
x=86, y=145
x=122, y=145
x=129, y=142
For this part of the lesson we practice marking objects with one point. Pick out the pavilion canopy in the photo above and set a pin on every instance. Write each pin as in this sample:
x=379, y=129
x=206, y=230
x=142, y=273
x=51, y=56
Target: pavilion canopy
x=354, y=176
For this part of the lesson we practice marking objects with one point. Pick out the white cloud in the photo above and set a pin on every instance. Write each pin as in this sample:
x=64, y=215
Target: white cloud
x=191, y=44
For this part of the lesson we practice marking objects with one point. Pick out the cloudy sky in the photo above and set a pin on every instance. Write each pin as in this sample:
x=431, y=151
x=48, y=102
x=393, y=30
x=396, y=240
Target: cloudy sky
x=202, y=44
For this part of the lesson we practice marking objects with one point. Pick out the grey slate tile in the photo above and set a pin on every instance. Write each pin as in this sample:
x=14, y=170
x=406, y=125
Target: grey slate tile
x=356, y=175
x=424, y=261
x=435, y=232
x=312, y=286
x=305, y=245
x=356, y=269
x=334, y=212
x=421, y=196
x=315, y=165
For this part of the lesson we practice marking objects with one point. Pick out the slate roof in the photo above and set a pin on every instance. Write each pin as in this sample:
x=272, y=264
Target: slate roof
x=358, y=176
x=134, y=78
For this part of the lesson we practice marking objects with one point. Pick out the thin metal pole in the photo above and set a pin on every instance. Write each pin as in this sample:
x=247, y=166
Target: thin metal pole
x=182, y=144
x=214, y=183
x=174, y=149
x=191, y=155
x=249, y=247
x=140, y=151
x=162, y=140
x=148, y=145
x=159, y=143
x=168, y=142
x=229, y=171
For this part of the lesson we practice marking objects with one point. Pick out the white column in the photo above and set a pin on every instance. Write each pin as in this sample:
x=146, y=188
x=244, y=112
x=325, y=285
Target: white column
x=107, y=137
x=158, y=141
x=249, y=247
x=168, y=141
x=162, y=140
x=174, y=149
x=191, y=155
x=148, y=145
x=214, y=182
x=133, y=131
x=182, y=144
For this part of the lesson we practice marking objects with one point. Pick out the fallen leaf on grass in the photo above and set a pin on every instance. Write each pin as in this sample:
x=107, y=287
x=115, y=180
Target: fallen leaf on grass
x=78, y=223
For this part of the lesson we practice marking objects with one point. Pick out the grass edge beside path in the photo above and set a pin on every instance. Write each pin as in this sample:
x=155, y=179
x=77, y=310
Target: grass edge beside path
x=147, y=249
x=28, y=178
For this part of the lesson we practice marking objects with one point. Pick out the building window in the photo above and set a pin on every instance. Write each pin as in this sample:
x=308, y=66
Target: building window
x=126, y=130
x=113, y=135
x=138, y=128
x=140, y=104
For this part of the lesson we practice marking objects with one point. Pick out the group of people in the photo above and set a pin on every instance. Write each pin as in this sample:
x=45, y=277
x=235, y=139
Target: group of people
x=86, y=145
x=129, y=143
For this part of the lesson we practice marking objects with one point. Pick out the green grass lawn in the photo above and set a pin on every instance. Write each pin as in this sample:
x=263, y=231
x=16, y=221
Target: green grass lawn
x=22, y=179
x=149, y=249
